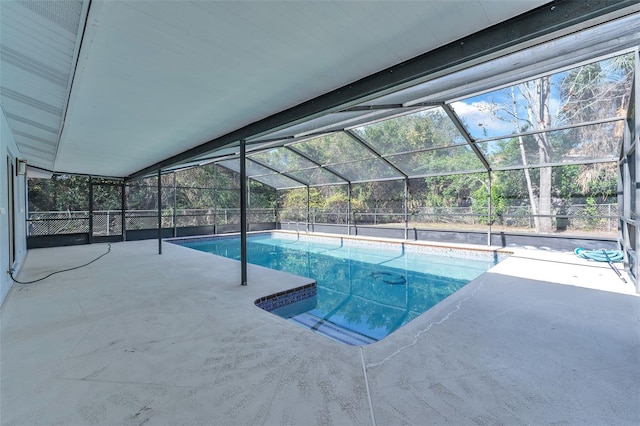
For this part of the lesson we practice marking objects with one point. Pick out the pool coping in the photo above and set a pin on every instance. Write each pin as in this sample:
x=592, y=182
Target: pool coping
x=359, y=239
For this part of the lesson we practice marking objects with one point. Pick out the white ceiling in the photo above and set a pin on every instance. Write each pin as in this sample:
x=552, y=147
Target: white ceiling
x=154, y=79
x=39, y=44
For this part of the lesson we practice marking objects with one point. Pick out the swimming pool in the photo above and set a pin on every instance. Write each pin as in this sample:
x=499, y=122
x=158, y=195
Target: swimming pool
x=364, y=290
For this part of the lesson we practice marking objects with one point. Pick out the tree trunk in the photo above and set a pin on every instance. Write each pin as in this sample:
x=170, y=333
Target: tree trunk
x=545, y=224
x=538, y=111
x=544, y=148
x=523, y=155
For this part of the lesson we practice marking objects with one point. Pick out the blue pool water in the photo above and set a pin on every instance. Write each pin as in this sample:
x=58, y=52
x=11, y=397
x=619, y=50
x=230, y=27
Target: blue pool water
x=363, y=293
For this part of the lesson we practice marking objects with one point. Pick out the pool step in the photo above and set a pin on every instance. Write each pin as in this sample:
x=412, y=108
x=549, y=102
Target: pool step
x=331, y=330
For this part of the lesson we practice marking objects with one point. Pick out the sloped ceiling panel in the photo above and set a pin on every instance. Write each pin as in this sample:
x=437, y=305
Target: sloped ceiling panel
x=38, y=49
x=157, y=78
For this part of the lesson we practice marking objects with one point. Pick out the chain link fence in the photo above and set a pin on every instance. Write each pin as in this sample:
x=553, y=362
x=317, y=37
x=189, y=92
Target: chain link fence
x=106, y=223
x=54, y=223
x=109, y=222
x=574, y=217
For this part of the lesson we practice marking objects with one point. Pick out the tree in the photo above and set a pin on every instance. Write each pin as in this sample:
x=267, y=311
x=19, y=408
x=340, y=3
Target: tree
x=576, y=97
x=597, y=91
x=60, y=193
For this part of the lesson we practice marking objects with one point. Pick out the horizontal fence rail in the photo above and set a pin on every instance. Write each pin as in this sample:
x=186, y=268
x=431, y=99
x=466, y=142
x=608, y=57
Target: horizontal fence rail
x=576, y=217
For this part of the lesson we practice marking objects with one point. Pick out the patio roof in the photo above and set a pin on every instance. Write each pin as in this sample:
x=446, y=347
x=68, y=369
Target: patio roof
x=123, y=88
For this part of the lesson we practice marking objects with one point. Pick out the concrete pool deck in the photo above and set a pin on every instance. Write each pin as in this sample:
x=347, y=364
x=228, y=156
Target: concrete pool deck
x=140, y=338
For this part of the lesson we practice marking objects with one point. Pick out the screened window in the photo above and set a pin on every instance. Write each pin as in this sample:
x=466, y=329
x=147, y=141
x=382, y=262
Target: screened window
x=588, y=93
x=574, y=145
x=333, y=149
x=422, y=130
x=444, y=160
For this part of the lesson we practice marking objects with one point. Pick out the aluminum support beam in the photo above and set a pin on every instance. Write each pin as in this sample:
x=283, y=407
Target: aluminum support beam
x=123, y=205
x=159, y=211
x=308, y=206
x=285, y=174
x=243, y=213
x=406, y=209
x=349, y=209
x=467, y=137
x=391, y=106
x=369, y=148
x=306, y=157
x=90, y=209
x=175, y=204
x=489, y=205
x=215, y=198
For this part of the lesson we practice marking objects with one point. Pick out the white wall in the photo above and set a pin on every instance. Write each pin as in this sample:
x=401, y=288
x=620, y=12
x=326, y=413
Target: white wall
x=8, y=147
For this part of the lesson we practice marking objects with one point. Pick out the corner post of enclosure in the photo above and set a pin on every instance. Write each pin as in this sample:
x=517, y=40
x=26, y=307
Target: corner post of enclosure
x=90, y=209
x=406, y=209
x=215, y=199
x=159, y=211
x=489, y=208
x=175, y=204
x=243, y=213
x=123, y=205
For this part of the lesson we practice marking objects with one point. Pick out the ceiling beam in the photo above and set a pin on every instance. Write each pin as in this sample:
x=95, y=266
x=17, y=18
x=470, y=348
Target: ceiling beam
x=467, y=137
x=276, y=171
x=377, y=154
x=557, y=17
x=312, y=160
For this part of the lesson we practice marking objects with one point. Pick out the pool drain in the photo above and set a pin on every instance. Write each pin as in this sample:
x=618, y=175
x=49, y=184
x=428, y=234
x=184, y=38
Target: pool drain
x=389, y=278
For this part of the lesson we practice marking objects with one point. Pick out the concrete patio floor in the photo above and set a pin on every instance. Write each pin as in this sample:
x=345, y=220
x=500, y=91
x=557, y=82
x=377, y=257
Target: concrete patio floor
x=544, y=338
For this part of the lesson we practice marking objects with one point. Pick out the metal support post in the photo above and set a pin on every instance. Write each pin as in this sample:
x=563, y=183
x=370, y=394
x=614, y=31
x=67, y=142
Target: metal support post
x=489, y=210
x=243, y=213
x=90, y=209
x=308, y=207
x=123, y=205
x=276, y=206
x=215, y=199
x=159, y=211
x=175, y=204
x=406, y=209
x=349, y=209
